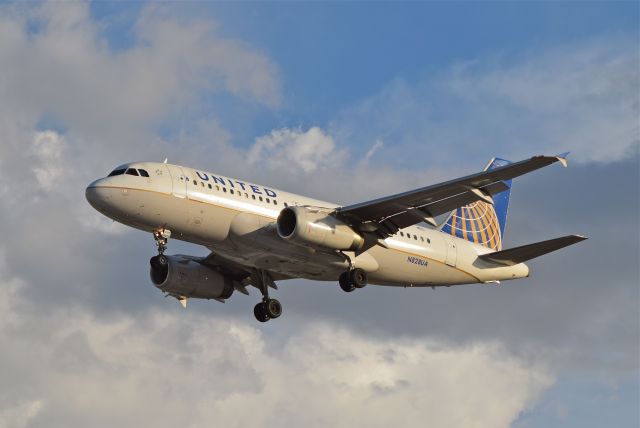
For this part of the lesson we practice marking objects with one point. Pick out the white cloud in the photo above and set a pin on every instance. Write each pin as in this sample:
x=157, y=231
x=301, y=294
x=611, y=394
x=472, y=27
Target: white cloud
x=114, y=98
x=372, y=151
x=163, y=368
x=20, y=415
x=296, y=150
x=48, y=148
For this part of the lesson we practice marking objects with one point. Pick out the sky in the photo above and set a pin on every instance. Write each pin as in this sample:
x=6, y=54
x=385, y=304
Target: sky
x=342, y=102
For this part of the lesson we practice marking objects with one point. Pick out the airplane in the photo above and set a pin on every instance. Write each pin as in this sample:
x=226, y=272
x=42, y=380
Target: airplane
x=259, y=235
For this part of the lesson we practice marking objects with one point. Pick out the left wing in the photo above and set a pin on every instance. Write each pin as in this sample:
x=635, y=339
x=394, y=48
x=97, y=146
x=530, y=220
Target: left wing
x=385, y=216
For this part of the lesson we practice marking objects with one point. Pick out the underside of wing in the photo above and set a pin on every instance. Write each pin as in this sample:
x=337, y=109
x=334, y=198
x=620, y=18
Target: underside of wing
x=241, y=274
x=385, y=216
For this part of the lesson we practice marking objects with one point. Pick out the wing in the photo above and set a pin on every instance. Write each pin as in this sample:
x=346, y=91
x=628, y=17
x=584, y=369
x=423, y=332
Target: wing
x=385, y=216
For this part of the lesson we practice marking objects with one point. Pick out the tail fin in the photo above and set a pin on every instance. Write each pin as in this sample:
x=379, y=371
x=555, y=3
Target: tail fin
x=479, y=221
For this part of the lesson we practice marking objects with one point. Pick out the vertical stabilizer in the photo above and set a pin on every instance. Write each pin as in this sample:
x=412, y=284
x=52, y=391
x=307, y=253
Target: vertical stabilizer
x=481, y=222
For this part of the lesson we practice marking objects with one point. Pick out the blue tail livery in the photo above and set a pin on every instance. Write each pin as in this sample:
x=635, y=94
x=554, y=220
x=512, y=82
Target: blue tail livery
x=479, y=221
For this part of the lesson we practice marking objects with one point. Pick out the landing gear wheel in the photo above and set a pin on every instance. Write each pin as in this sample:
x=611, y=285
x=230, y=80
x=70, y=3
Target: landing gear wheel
x=260, y=311
x=345, y=282
x=273, y=308
x=268, y=308
x=358, y=277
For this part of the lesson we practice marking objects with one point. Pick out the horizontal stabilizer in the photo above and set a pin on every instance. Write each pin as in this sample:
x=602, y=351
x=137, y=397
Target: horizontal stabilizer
x=516, y=255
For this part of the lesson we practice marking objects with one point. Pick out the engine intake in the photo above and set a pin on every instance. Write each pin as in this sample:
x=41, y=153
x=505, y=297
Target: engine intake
x=183, y=276
x=314, y=227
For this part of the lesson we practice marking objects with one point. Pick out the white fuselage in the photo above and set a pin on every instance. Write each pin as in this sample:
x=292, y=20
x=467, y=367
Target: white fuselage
x=237, y=220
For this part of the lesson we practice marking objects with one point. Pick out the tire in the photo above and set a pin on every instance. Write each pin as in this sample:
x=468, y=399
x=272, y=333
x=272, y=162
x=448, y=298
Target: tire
x=162, y=260
x=260, y=312
x=345, y=283
x=358, y=278
x=273, y=308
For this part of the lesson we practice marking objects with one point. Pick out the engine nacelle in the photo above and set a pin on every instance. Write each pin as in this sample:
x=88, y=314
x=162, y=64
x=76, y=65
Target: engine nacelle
x=316, y=228
x=183, y=276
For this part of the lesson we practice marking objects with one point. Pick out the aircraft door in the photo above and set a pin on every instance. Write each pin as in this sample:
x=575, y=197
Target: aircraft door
x=178, y=180
x=452, y=252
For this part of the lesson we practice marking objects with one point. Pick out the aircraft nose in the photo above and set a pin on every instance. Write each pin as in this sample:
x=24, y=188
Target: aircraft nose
x=95, y=195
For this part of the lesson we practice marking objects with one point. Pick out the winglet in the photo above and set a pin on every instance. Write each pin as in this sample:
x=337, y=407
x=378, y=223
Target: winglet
x=562, y=157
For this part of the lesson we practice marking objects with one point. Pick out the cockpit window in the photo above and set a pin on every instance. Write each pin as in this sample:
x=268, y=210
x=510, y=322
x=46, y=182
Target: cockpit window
x=117, y=172
x=143, y=173
x=132, y=171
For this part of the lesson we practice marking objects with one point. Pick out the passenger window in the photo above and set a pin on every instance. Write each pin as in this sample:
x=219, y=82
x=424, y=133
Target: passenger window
x=246, y=195
x=231, y=191
x=401, y=234
x=195, y=183
x=422, y=238
x=143, y=173
x=260, y=197
x=210, y=186
x=217, y=188
x=415, y=237
x=268, y=201
x=224, y=189
x=202, y=184
x=428, y=241
x=253, y=196
x=275, y=202
x=117, y=172
x=132, y=171
x=286, y=205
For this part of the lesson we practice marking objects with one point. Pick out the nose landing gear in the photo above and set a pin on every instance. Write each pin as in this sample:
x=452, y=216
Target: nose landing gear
x=161, y=236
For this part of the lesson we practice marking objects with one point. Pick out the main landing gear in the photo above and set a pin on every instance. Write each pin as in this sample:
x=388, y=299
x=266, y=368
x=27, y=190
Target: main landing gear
x=161, y=236
x=352, y=279
x=268, y=308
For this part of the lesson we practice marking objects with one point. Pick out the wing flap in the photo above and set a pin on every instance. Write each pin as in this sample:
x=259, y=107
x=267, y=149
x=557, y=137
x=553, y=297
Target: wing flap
x=521, y=254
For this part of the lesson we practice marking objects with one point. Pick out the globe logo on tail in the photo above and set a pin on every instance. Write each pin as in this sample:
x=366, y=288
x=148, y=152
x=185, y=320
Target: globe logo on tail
x=476, y=222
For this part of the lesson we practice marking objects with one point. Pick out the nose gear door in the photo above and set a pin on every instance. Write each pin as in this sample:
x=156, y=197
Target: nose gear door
x=178, y=180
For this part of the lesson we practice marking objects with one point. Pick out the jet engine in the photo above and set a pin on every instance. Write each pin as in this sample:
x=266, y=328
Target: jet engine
x=314, y=227
x=184, y=276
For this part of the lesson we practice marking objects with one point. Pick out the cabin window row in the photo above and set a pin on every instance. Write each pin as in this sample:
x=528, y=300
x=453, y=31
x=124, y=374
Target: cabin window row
x=415, y=237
